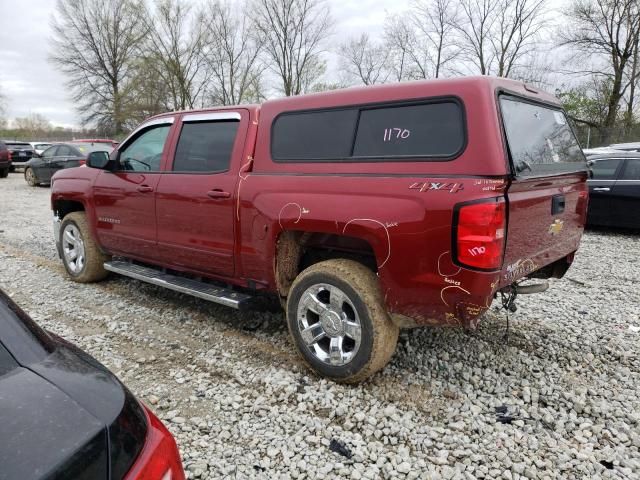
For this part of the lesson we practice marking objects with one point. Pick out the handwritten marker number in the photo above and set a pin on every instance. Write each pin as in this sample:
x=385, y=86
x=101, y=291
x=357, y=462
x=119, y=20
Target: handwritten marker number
x=398, y=133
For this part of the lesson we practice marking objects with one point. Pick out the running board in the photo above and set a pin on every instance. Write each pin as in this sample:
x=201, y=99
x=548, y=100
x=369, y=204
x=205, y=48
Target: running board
x=206, y=291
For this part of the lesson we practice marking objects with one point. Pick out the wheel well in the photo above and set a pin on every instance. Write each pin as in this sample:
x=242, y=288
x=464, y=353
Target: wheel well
x=63, y=208
x=296, y=251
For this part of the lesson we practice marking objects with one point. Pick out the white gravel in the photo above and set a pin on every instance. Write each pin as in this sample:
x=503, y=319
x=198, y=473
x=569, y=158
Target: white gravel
x=241, y=405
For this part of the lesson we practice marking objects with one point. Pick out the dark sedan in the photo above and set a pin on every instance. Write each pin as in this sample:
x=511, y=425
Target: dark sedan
x=614, y=190
x=41, y=168
x=64, y=415
x=13, y=154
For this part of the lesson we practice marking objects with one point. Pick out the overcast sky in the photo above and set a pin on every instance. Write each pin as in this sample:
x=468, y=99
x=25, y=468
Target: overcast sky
x=32, y=85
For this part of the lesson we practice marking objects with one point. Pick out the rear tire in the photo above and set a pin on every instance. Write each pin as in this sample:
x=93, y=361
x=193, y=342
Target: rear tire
x=30, y=177
x=338, y=321
x=80, y=254
x=4, y=172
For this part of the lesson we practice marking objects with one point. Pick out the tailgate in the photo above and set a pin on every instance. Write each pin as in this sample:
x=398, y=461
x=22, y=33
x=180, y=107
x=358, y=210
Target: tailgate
x=545, y=222
x=547, y=198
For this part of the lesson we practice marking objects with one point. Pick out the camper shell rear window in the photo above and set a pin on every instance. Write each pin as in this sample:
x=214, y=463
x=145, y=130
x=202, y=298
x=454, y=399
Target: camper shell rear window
x=539, y=138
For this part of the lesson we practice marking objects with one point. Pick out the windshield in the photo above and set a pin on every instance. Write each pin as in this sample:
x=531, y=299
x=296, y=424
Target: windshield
x=41, y=146
x=540, y=138
x=88, y=147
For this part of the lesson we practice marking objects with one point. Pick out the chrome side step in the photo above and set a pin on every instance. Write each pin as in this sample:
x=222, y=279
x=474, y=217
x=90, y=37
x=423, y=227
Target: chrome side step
x=206, y=291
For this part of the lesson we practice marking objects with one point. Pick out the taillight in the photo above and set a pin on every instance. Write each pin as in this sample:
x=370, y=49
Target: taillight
x=159, y=458
x=479, y=234
x=10, y=155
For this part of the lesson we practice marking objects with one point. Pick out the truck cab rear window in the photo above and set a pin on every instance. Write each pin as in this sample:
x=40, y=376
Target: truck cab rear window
x=540, y=138
x=423, y=131
x=205, y=146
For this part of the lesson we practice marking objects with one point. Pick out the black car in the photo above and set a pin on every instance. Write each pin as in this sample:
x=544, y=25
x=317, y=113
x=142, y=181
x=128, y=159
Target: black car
x=14, y=154
x=64, y=415
x=614, y=190
x=41, y=168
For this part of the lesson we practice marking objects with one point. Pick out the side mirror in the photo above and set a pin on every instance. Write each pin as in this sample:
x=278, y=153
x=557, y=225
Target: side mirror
x=98, y=160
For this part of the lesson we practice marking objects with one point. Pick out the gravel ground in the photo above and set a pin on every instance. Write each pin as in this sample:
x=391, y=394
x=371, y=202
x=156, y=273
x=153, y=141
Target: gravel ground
x=241, y=405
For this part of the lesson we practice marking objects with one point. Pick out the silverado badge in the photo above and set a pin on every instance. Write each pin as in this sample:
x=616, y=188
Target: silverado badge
x=556, y=227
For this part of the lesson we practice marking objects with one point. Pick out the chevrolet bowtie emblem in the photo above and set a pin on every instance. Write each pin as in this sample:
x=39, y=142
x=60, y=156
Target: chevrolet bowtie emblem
x=556, y=227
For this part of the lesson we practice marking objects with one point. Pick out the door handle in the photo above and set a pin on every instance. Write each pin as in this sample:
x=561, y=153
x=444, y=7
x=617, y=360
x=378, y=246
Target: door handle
x=217, y=193
x=145, y=189
x=601, y=189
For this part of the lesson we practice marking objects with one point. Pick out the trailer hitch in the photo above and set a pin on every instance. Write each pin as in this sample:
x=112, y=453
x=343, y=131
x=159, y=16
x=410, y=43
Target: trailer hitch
x=509, y=294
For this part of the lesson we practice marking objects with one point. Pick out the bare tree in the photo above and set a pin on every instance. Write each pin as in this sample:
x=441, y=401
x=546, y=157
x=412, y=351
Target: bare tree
x=633, y=83
x=517, y=33
x=436, y=20
x=149, y=93
x=498, y=36
x=32, y=124
x=94, y=43
x=176, y=47
x=400, y=41
x=475, y=29
x=292, y=33
x=365, y=60
x=605, y=31
x=232, y=57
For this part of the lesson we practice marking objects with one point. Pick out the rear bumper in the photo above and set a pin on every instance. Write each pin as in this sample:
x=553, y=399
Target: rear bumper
x=19, y=164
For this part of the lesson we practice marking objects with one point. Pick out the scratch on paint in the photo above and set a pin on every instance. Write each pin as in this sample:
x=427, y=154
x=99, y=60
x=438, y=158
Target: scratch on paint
x=440, y=271
x=447, y=288
x=301, y=210
x=243, y=169
x=386, y=230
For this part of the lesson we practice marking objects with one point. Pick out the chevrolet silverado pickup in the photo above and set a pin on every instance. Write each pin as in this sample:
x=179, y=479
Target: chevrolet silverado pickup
x=364, y=210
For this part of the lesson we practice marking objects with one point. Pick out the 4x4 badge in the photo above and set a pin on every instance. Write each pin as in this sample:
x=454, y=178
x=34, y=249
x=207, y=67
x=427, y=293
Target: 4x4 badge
x=441, y=186
x=556, y=227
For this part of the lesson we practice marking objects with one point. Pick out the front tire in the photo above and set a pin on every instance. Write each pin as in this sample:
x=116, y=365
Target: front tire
x=30, y=177
x=338, y=321
x=81, y=256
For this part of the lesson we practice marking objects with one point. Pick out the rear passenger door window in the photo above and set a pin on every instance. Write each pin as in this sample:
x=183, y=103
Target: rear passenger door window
x=49, y=153
x=63, y=151
x=205, y=146
x=605, y=169
x=631, y=170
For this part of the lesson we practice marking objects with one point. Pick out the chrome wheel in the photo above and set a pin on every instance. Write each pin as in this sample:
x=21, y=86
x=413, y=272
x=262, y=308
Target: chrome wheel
x=73, y=249
x=329, y=324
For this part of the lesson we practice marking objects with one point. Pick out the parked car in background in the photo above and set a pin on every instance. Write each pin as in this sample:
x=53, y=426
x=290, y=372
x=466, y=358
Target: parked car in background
x=41, y=168
x=614, y=190
x=627, y=147
x=40, y=147
x=18, y=153
x=590, y=152
x=64, y=415
x=106, y=141
x=5, y=160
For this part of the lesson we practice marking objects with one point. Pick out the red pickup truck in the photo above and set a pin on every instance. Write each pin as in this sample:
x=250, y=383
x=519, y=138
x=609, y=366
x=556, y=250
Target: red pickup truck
x=364, y=210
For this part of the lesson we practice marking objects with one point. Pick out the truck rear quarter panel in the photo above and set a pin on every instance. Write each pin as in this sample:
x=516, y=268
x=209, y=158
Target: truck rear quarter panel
x=402, y=209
